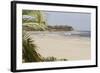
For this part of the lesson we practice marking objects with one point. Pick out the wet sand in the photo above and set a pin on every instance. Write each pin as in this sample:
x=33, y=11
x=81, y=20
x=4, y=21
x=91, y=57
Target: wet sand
x=68, y=47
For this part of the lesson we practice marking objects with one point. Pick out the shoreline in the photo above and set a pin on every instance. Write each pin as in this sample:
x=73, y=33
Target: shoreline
x=71, y=48
x=63, y=33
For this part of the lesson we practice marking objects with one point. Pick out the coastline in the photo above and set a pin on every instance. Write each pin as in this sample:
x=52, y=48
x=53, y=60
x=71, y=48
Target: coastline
x=68, y=47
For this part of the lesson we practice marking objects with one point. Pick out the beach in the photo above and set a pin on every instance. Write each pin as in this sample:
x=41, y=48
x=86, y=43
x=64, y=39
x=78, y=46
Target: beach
x=67, y=47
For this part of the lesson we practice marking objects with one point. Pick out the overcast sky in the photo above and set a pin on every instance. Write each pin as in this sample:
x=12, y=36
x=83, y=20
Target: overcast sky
x=79, y=21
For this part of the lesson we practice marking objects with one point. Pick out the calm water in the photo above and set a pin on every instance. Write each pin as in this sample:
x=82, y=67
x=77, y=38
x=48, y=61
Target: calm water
x=63, y=33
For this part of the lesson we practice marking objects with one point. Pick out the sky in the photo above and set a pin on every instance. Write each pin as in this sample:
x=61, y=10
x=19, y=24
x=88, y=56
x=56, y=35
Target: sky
x=79, y=21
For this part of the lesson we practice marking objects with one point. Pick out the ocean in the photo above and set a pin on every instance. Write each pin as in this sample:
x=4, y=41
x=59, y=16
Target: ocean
x=62, y=33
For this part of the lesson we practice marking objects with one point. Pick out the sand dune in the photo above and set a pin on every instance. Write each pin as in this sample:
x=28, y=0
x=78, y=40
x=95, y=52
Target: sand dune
x=71, y=48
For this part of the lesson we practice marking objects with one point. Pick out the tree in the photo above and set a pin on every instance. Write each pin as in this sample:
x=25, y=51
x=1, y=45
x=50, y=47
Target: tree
x=39, y=22
x=30, y=53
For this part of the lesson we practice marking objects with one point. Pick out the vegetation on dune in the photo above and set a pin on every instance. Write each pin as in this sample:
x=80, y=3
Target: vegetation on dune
x=30, y=50
x=53, y=59
x=34, y=19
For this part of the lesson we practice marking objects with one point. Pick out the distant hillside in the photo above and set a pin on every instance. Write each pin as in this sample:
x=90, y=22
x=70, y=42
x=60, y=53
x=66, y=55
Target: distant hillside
x=60, y=28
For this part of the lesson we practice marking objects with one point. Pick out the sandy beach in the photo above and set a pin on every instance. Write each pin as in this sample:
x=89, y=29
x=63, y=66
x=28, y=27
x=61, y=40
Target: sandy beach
x=71, y=48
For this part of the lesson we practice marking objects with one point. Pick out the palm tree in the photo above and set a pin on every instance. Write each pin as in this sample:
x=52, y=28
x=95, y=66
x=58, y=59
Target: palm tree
x=39, y=18
x=30, y=53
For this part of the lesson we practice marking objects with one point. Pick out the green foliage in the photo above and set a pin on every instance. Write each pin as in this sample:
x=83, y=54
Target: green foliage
x=29, y=50
x=53, y=59
x=50, y=59
x=39, y=23
x=34, y=27
x=27, y=12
